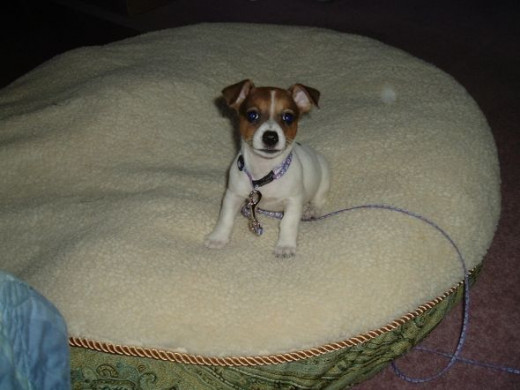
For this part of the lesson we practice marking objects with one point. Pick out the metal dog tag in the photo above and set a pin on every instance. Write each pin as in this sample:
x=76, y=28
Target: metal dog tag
x=254, y=226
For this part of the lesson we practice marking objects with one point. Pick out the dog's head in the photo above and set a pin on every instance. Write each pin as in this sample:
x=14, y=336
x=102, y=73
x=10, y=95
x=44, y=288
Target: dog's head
x=268, y=116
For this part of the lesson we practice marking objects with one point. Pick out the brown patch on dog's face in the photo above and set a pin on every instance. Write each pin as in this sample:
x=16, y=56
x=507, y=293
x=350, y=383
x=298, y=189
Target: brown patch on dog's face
x=264, y=104
x=286, y=114
x=268, y=116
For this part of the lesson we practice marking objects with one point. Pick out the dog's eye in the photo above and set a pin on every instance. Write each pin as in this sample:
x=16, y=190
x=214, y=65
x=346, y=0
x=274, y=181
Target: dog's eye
x=288, y=118
x=253, y=116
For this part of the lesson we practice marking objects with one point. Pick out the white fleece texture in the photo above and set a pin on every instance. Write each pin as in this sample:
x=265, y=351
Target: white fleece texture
x=114, y=162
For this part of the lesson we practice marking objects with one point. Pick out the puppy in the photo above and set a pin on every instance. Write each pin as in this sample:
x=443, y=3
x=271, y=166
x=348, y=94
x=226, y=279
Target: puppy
x=271, y=170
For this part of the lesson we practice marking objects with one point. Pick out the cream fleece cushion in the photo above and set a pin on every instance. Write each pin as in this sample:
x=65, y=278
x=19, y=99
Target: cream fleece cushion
x=114, y=164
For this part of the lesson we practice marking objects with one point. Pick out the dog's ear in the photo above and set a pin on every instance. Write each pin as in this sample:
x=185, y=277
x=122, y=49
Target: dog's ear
x=235, y=94
x=304, y=97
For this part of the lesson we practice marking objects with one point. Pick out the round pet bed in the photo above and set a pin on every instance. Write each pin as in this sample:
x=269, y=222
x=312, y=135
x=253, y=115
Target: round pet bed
x=114, y=162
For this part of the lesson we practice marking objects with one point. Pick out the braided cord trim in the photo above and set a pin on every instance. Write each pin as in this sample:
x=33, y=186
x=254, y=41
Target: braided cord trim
x=240, y=361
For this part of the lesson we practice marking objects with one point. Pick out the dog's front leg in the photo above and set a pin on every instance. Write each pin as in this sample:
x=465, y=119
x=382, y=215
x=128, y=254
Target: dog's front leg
x=286, y=246
x=231, y=204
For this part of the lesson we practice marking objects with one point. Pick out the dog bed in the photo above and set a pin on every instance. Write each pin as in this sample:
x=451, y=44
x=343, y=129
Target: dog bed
x=114, y=163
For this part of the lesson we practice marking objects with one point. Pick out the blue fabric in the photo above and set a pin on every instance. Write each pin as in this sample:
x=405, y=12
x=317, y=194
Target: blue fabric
x=34, y=351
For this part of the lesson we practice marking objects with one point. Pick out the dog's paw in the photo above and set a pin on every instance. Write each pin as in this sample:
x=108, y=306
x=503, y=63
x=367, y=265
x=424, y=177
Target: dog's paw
x=215, y=242
x=284, y=251
x=311, y=212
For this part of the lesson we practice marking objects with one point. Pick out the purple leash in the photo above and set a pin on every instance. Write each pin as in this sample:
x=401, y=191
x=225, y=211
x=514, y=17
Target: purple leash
x=465, y=321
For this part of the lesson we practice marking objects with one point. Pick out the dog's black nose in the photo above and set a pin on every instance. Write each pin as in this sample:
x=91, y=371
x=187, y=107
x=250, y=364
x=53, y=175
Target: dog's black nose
x=270, y=138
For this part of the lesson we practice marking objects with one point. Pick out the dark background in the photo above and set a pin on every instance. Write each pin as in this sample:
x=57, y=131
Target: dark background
x=477, y=42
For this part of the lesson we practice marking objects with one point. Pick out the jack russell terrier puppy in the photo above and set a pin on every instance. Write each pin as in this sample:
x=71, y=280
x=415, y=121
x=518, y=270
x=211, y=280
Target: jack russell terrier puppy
x=271, y=170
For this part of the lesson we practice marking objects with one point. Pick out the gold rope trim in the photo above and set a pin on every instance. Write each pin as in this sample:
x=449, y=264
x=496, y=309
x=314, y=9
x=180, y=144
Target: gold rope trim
x=177, y=357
